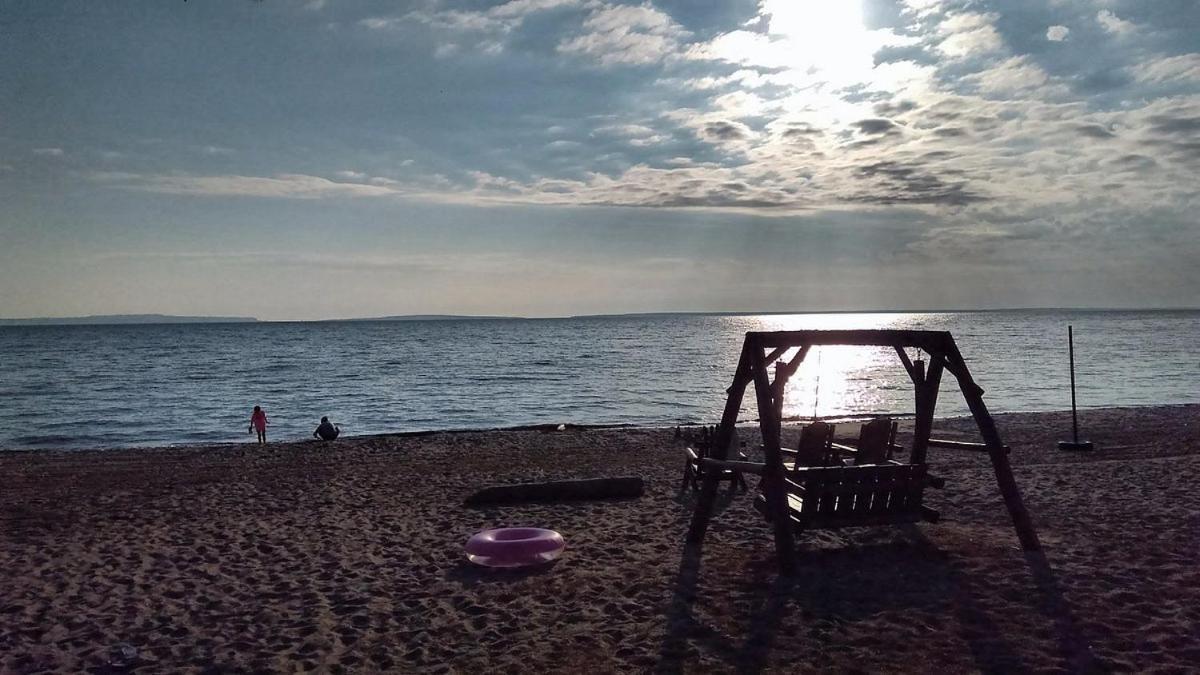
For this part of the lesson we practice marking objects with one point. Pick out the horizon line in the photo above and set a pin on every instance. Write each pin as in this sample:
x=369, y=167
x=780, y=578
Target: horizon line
x=155, y=318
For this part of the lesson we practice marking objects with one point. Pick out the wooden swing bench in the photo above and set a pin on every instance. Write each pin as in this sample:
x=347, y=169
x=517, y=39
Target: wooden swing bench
x=814, y=490
x=855, y=496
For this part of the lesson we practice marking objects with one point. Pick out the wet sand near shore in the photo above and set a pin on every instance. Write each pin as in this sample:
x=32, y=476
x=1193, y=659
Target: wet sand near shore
x=347, y=557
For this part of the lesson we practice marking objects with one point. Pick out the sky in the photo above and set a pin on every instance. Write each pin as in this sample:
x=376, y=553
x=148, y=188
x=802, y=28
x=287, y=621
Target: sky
x=303, y=159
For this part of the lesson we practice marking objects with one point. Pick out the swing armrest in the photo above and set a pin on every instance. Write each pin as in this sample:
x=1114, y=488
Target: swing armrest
x=744, y=467
x=793, y=487
x=930, y=479
x=694, y=456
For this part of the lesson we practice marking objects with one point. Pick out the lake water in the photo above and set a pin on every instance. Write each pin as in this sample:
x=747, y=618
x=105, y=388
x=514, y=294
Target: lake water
x=110, y=386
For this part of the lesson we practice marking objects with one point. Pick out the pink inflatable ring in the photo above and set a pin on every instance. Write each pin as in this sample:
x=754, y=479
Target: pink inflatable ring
x=514, y=547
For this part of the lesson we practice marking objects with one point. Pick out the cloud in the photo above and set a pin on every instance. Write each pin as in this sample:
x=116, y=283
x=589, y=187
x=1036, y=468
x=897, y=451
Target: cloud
x=923, y=8
x=523, y=8
x=895, y=108
x=899, y=183
x=1094, y=131
x=380, y=23
x=637, y=135
x=1057, y=33
x=500, y=19
x=876, y=126
x=725, y=130
x=285, y=186
x=969, y=33
x=49, y=152
x=1133, y=162
x=626, y=34
x=1182, y=68
x=1114, y=24
x=1018, y=74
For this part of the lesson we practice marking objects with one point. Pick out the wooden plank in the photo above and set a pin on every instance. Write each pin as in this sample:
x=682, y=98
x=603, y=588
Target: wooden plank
x=886, y=484
x=783, y=373
x=772, y=481
x=813, y=446
x=958, y=368
x=907, y=364
x=929, y=340
x=755, y=468
x=821, y=522
x=793, y=365
x=774, y=355
x=961, y=445
x=903, y=496
x=794, y=488
x=927, y=395
x=826, y=502
x=873, y=441
x=868, y=482
x=845, y=490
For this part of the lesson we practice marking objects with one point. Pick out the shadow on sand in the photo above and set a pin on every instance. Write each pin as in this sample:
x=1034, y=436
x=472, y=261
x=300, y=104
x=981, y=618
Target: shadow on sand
x=836, y=586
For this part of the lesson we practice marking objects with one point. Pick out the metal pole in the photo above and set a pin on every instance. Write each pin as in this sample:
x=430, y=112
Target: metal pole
x=1071, y=351
x=1074, y=443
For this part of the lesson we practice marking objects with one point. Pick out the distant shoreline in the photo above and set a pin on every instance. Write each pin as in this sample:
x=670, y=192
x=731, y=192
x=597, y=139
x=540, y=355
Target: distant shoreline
x=124, y=320
x=168, y=319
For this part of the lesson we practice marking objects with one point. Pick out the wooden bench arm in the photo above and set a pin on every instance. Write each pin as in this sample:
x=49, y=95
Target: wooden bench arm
x=851, y=450
x=793, y=487
x=694, y=456
x=962, y=445
x=744, y=467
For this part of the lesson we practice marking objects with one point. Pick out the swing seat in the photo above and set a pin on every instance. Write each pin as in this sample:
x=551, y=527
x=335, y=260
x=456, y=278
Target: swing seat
x=855, y=496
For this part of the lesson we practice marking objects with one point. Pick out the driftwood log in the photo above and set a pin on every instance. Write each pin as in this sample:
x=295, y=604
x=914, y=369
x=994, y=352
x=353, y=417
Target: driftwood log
x=559, y=491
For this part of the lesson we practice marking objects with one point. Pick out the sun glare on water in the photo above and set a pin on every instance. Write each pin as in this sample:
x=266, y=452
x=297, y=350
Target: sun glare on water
x=840, y=380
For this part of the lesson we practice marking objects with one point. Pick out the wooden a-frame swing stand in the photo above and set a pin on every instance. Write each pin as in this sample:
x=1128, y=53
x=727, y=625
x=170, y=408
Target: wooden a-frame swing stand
x=752, y=367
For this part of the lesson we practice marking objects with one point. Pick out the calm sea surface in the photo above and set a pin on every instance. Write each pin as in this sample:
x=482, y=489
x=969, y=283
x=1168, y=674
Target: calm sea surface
x=108, y=386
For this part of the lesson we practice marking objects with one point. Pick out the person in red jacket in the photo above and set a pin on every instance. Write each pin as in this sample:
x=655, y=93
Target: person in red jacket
x=258, y=422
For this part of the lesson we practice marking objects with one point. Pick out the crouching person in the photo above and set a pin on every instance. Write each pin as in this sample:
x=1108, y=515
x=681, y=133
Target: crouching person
x=326, y=430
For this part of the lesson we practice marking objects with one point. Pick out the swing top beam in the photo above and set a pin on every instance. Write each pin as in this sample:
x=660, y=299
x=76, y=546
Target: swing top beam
x=928, y=340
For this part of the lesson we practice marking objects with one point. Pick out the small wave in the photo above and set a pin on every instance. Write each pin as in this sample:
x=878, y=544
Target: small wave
x=73, y=441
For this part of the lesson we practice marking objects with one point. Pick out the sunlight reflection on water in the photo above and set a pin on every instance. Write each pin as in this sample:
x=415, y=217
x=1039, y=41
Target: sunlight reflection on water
x=840, y=380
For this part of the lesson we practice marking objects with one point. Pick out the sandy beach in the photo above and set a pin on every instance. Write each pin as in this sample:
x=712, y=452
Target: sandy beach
x=347, y=557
